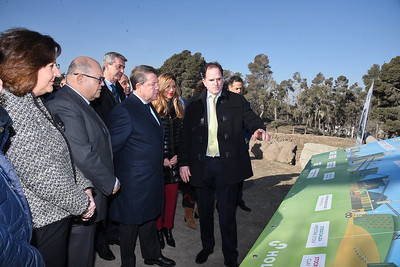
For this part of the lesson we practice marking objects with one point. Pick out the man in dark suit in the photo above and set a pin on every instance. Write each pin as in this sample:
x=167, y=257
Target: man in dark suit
x=111, y=94
x=236, y=85
x=90, y=144
x=137, y=140
x=214, y=158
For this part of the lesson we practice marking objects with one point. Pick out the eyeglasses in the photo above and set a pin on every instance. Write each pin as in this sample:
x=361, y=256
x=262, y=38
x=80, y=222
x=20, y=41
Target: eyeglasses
x=101, y=79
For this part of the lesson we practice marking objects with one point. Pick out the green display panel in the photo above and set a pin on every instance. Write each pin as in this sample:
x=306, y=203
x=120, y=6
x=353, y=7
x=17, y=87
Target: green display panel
x=342, y=211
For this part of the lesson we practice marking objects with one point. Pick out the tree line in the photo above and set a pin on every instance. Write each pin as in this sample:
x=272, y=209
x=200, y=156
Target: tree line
x=332, y=106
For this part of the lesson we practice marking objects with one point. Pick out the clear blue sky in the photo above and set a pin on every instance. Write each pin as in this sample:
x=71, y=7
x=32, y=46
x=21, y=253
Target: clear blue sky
x=340, y=37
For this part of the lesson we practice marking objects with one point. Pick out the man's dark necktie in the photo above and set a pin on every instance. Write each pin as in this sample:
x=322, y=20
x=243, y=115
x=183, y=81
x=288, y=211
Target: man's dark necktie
x=115, y=94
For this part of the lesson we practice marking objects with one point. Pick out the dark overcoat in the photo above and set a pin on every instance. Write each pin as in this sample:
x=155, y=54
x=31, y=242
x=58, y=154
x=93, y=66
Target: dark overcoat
x=233, y=115
x=90, y=143
x=137, y=141
x=106, y=102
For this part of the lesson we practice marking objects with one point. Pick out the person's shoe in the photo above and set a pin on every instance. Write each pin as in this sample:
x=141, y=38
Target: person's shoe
x=196, y=213
x=161, y=238
x=105, y=252
x=243, y=206
x=203, y=256
x=231, y=264
x=168, y=236
x=161, y=261
x=190, y=222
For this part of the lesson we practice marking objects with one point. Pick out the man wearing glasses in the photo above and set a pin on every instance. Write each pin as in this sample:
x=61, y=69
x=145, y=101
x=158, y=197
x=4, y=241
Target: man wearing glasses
x=90, y=146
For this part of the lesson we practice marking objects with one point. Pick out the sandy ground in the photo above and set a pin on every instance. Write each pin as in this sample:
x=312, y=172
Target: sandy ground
x=263, y=193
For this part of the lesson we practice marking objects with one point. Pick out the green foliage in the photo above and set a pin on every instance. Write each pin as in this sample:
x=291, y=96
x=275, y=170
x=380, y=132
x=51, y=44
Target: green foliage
x=331, y=105
x=186, y=69
x=258, y=83
x=385, y=110
x=391, y=72
x=388, y=120
x=278, y=123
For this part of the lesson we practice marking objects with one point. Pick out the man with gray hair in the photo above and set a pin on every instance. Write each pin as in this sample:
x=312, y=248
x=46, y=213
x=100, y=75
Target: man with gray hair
x=111, y=92
x=137, y=137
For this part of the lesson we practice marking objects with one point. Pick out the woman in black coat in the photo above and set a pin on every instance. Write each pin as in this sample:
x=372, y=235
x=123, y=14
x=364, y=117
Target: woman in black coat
x=170, y=109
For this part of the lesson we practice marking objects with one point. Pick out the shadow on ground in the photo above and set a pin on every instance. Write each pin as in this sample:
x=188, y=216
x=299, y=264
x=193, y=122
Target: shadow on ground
x=262, y=195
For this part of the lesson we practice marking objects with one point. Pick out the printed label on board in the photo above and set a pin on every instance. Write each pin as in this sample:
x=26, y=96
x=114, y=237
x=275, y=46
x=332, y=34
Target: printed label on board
x=331, y=164
x=329, y=175
x=332, y=156
x=313, y=173
x=318, y=235
x=385, y=145
x=317, y=164
x=324, y=202
x=315, y=260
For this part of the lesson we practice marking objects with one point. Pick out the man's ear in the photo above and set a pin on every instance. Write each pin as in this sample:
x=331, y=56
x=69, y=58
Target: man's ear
x=79, y=79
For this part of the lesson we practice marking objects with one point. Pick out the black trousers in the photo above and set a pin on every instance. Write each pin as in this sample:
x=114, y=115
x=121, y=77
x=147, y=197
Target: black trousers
x=52, y=242
x=149, y=243
x=81, y=244
x=214, y=187
x=107, y=230
x=188, y=195
x=240, y=194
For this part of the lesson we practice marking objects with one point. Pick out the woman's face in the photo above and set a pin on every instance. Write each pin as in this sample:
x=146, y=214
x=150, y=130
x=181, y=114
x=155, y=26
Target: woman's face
x=46, y=77
x=169, y=91
x=1, y=85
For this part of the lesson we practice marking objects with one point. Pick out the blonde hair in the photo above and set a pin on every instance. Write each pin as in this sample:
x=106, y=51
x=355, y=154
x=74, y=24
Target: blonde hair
x=160, y=104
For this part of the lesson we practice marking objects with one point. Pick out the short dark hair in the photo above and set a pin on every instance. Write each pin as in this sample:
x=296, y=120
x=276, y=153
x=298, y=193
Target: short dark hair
x=235, y=79
x=138, y=74
x=25, y=52
x=211, y=65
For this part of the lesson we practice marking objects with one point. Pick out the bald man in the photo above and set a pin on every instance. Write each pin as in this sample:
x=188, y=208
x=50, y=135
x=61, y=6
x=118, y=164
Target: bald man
x=90, y=144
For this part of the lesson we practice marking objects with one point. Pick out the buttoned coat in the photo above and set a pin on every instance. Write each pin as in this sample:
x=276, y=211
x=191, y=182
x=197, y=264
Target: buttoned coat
x=90, y=143
x=137, y=141
x=41, y=158
x=233, y=115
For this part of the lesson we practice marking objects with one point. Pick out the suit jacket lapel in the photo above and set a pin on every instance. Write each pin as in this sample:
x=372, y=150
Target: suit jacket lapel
x=78, y=99
x=155, y=112
x=144, y=109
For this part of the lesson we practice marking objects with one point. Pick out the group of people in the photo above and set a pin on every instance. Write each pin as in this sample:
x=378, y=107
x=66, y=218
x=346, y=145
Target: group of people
x=100, y=160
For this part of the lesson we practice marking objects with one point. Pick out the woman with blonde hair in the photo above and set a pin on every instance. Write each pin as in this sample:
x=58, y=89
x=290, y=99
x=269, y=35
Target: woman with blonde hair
x=39, y=152
x=169, y=107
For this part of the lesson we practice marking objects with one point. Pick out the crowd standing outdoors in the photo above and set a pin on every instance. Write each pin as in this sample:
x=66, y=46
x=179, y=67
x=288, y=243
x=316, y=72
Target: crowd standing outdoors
x=100, y=160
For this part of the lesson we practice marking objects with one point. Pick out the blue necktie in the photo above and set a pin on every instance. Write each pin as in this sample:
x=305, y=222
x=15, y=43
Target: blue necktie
x=115, y=94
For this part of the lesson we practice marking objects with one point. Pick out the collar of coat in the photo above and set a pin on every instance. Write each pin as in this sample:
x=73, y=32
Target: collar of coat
x=224, y=95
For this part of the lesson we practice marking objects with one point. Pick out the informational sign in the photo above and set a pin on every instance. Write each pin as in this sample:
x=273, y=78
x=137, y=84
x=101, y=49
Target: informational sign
x=341, y=212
